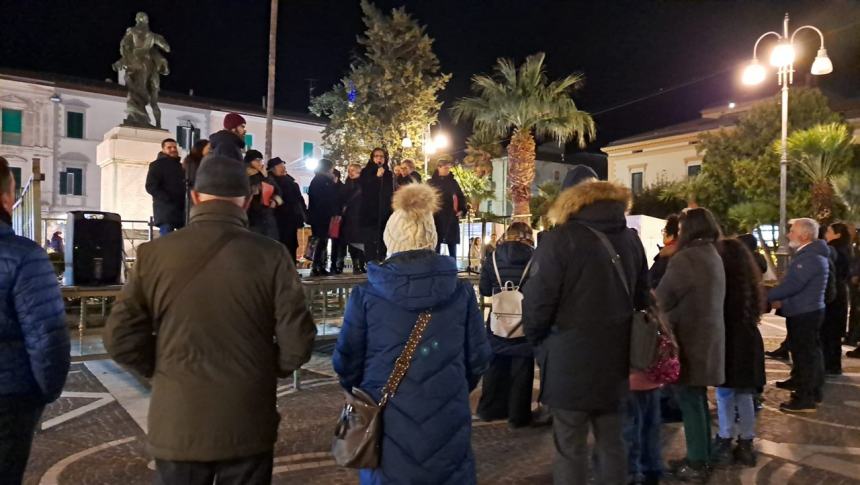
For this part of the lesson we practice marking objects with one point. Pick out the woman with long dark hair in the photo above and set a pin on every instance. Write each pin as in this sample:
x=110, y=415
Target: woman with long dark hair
x=191, y=163
x=836, y=314
x=692, y=294
x=744, y=356
x=377, y=188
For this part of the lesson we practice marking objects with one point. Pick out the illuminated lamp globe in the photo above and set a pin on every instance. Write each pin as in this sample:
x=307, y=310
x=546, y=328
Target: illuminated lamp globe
x=753, y=74
x=782, y=55
x=822, y=64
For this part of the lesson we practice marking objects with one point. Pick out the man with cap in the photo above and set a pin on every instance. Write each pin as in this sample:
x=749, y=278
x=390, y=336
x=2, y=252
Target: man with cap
x=213, y=327
x=289, y=216
x=265, y=196
x=230, y=142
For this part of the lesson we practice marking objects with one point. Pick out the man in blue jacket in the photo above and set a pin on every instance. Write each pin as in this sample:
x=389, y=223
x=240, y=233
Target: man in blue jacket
x=801, y=298
x=34, y=341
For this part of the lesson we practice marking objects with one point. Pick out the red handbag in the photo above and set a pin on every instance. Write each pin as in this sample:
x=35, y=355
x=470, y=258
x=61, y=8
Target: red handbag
x=334, y=227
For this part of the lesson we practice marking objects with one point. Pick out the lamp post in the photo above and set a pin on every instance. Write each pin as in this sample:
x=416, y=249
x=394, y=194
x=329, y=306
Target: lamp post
x=782, y=57
x=430, y=145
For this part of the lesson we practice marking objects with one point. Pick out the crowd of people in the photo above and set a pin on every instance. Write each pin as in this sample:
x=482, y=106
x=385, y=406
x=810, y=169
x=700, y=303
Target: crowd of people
x=214, y=367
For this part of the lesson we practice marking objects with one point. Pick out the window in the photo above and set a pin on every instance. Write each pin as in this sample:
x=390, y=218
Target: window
x=307, y=149
x=74, y=125
x=249, y=141
x=636, y=182
x=11, y=125
x=693, y=170
x=187, y=136
x=72, y=181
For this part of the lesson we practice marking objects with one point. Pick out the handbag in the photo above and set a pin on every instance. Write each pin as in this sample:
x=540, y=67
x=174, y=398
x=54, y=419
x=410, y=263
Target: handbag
x=334, y=227
x=358, y=432
x=645, y=329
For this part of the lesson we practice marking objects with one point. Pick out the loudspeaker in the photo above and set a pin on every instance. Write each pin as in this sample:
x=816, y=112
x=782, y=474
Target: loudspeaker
x=93, y=249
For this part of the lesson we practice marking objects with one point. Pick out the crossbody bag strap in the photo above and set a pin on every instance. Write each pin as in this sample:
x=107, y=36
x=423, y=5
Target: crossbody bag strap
x=404, y=361
x=496, y=269
x=188, y=275
x=614, y=256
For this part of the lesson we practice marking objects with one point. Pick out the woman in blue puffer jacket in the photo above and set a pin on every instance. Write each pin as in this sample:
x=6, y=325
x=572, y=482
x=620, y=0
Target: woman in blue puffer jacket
x=427, y=423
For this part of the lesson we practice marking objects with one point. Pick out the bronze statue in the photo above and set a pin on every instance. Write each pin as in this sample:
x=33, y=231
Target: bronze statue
x=143, y=64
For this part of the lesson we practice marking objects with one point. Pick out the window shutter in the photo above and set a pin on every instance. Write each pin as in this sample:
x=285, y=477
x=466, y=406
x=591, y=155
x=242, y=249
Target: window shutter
x=78, y=180
x=63, y=187
x=74, y=125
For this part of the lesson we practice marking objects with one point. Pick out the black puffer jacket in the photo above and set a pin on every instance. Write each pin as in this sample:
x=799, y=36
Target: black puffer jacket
x=165, y=182
x=511, y=258
x=576, y=311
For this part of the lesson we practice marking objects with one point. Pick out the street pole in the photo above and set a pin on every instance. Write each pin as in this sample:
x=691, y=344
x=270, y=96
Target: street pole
x=786, y=73
x=270, y=88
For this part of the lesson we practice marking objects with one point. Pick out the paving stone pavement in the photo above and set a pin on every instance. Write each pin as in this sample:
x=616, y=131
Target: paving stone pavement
x=90, y=438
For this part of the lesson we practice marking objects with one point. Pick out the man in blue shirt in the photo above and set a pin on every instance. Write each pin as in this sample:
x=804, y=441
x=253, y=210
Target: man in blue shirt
x=801, y=296
x=34, y=340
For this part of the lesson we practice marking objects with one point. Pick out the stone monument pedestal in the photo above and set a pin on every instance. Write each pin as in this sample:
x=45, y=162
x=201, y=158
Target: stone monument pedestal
x=124, y=157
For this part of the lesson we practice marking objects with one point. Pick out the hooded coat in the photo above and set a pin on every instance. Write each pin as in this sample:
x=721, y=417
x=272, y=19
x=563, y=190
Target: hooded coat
x=448, y=217
x=227, y=144
x=576, y=311
x=427, y=432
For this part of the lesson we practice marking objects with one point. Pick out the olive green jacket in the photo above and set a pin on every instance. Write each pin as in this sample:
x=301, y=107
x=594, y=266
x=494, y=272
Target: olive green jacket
x=214, y=349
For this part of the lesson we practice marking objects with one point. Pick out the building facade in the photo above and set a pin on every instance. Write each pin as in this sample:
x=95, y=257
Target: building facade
x=61, y=122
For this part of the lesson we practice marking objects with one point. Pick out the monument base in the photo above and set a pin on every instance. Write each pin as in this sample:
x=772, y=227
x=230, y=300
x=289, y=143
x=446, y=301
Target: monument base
x=124, y=157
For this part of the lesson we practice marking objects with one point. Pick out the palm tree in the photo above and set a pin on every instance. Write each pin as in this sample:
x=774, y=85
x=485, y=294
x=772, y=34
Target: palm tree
x=481, y=148
x=821, y=153
x=525, y=102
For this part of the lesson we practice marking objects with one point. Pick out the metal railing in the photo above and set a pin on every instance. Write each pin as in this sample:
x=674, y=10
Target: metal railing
x=27, y=211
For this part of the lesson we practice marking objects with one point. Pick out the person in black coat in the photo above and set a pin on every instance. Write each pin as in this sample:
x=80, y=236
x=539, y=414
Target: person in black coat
x=377, y=189
x=836, y=315
x=230, y=142
x=338, y=248
x=290, y=216
x=322, y=206
x=751, y=242
x=265, y=197
x=580, y=326
x=744, y=355
x=165, y=182
x=661, y=261
x=349, y=201
x=507, y=385
x=407, y=175
x=452, y=207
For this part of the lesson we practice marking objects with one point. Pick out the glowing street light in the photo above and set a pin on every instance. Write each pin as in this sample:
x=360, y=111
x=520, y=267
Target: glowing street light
x=782, y=57
x=441, y=140
x=312, y=164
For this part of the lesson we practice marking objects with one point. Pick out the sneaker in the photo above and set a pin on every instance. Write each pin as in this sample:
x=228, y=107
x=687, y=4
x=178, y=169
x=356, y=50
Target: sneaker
x=787, y=384
x=854, y=354
x=721, y=455
x=745, y=453
x=798, y=405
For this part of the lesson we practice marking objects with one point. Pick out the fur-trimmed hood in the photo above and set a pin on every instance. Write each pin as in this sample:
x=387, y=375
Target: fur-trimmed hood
x=571, y=201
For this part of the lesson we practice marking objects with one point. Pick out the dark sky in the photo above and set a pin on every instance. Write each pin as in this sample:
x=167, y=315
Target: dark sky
x=626, y=49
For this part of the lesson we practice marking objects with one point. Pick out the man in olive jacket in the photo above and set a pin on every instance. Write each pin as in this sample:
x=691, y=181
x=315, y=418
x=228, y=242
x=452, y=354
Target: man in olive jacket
x=213, y=314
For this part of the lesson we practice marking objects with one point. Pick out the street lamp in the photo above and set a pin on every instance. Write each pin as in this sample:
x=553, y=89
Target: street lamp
x=782, y=57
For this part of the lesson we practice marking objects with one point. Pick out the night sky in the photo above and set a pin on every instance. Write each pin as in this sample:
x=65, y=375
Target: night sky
x=692, y=50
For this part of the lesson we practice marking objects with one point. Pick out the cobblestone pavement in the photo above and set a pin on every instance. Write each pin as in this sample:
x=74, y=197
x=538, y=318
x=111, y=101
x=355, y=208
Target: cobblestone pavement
x=94, y=435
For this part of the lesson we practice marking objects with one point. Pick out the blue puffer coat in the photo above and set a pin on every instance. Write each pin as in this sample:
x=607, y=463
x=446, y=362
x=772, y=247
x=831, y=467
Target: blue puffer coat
x=427, y=424
x=34, y=341
x=804, y=285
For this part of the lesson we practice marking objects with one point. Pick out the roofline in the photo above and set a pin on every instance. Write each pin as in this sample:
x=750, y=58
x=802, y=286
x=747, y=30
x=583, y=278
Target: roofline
x=117, y=90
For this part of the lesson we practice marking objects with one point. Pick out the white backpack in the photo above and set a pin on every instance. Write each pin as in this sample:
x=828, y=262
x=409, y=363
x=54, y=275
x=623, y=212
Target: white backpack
x=506, y=315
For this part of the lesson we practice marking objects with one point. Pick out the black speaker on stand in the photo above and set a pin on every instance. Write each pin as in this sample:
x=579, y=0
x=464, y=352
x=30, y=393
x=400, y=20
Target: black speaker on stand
x=93, y=249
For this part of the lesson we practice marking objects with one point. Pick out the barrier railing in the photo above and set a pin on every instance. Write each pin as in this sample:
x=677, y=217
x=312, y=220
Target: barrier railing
x=27, y=211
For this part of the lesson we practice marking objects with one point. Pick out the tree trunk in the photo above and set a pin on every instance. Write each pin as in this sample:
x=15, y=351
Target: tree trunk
x=270, y=88
x=822, y=201
x=521, y=172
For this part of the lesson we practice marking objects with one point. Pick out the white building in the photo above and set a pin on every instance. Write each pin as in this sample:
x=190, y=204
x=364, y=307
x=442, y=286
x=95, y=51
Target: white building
x=61, y=122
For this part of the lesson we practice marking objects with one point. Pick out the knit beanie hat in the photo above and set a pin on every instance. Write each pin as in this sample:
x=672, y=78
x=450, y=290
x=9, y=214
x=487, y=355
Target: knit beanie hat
x=232, y=120
x=274, y=163
x=577, y=175
x=222, y=177
x=411, y=225
x=252, y=155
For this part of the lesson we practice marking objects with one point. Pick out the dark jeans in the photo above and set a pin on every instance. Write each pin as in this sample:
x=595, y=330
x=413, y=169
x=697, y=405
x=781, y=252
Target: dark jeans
x=804, y=343
x=252, y=470
x=452, y=249
x=832, y=332
x=570, y=436
x=374, y=246
x=338, y=249
x=18, y=422
x=642, y=435
x=697, y=422
x=506, y=391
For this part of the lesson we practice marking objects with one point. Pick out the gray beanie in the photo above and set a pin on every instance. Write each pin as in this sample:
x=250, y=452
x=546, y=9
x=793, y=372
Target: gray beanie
x=222, y=177
x=577, y=175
